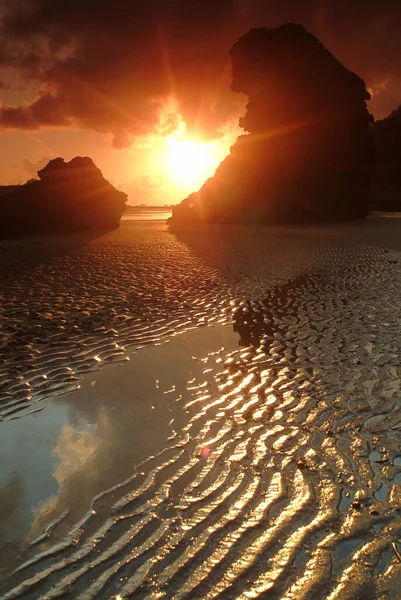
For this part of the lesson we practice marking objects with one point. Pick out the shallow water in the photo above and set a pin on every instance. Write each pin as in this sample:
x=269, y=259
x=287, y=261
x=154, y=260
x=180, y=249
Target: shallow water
x=54, y=462
x=270, y=468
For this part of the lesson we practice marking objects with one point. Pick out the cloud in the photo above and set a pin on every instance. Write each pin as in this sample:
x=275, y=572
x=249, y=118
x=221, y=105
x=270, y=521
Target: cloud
x=33, y=167
x=110, y=65
x=47, y=110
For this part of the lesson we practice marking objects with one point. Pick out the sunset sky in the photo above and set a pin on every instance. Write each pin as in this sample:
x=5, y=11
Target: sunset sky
x=138, y=85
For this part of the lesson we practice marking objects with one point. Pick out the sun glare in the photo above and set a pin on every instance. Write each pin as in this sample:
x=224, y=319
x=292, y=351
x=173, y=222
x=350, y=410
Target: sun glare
x=190, y=163
x=179, y=162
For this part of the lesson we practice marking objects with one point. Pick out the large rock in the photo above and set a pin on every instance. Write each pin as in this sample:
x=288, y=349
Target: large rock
x=72, y=196
x=310, y=149
x=386, y=189
x=388, y=143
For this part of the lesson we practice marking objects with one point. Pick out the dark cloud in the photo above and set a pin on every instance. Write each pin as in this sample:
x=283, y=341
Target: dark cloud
x=47, y=110
x=108, y=65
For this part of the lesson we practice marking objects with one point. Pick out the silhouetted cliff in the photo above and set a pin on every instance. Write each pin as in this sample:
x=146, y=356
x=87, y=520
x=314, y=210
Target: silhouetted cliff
x=386, y=188
x=310, y=149
x=6, y=189
x=71, y=196
x=388, y=143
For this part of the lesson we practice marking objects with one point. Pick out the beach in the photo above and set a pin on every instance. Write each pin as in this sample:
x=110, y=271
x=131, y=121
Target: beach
x=210, y=412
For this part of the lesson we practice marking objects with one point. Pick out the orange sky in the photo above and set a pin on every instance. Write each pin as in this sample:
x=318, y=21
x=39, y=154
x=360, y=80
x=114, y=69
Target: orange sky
x=114, y=80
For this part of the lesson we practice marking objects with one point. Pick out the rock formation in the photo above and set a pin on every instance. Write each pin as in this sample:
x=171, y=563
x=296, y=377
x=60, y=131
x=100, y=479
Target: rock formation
x=386, y=188
x=72, y=196
x=310, y=149
x=387, y=134
x=6, y=189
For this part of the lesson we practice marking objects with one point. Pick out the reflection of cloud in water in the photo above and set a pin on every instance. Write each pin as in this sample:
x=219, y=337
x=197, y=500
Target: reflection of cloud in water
x=74, y=449
x=77, y=448
x=128, y=424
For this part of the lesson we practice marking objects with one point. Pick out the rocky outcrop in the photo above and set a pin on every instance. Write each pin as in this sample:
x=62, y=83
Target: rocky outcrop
x=6, y=189
x=68, y=197
x=386, y=188
x=309, y=152
x=387, y=134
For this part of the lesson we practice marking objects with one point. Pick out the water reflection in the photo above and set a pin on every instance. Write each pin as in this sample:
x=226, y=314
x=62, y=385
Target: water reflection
x=76, y=450
x=52, y=464
x=26, y=466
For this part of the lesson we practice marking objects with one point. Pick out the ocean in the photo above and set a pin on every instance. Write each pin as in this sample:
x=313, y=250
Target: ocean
x=148, y=213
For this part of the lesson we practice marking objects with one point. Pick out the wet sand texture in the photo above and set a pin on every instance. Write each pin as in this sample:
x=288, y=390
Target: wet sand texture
x=284, y=479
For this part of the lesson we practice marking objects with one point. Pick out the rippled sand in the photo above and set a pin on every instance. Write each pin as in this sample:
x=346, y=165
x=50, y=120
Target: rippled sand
x=283, y=477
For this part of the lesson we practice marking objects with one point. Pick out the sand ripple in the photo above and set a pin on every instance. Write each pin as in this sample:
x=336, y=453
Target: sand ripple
x=69, y=304
x=66, y=307
x=285, y=481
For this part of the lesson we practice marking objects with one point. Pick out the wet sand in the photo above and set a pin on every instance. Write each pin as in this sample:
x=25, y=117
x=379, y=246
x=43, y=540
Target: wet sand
x=258, y=455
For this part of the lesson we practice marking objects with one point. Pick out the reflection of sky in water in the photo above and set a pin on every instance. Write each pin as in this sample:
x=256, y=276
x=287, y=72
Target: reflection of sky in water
x=27, y=456
x=76, y=448
x=82, y=443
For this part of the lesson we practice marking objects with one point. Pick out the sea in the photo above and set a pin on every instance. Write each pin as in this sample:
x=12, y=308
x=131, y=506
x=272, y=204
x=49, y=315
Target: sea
x=147, y=213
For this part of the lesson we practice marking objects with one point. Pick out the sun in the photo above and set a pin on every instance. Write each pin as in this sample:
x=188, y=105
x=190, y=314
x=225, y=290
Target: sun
x=189, y=162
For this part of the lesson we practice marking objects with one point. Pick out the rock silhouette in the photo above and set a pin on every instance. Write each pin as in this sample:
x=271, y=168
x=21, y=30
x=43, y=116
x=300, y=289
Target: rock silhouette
x=388, y=143
x=72, y=196
x=310, y=150
x=6, y=189
x=386, y=181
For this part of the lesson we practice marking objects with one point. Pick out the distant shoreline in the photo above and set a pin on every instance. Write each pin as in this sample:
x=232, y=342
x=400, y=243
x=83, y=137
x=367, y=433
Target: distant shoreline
x=147, y=213
x=138, y=207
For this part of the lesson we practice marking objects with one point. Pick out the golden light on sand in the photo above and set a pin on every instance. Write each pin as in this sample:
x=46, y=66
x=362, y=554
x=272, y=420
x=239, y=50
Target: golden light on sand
x=190, y=162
